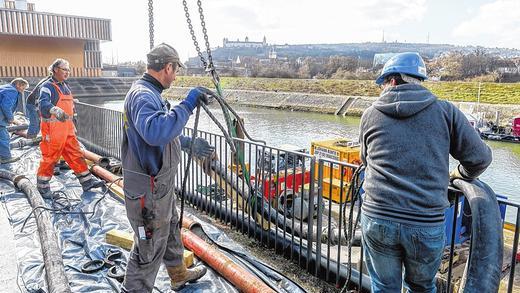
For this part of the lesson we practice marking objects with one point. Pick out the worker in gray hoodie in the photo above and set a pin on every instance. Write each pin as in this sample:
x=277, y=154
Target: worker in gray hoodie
x=406, y=138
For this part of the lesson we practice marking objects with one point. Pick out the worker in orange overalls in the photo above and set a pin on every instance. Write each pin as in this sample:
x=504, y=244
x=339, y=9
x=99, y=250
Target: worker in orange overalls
x=58, y=131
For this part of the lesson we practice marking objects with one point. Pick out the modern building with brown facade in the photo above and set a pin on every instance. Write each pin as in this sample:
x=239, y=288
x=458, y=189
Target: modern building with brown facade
x=30, y=41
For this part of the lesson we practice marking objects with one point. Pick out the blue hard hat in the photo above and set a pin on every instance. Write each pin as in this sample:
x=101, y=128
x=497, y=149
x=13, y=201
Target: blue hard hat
x=409, y=63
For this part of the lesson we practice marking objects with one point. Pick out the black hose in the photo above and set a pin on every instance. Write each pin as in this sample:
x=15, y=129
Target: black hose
x=23, y=142
x=484, y=265
x=254, y=265
x=188, y=164
x=13, y=128
x=265, y=209
x=349, y=228
x=281, y=244
x=54, y=271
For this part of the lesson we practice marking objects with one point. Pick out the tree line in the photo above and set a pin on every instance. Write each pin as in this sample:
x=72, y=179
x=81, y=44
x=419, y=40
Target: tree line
x=456, y=65
x=450, y=66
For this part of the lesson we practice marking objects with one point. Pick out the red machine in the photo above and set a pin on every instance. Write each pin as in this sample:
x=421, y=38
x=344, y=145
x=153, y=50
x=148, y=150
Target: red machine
x=271, y=188
x=516, y=126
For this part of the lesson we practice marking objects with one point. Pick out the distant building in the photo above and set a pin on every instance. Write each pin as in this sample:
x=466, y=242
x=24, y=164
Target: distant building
x=243, y=44
x=118, y=71
x=30, y=41
x=509, y=70
x=380, y=59
x=272, y=53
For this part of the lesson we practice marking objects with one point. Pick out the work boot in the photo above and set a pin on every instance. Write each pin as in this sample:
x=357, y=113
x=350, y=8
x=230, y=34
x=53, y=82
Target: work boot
x=9, y=160
x=62, y=165
x=44, y=188
x=180, y=275
x=91, y=182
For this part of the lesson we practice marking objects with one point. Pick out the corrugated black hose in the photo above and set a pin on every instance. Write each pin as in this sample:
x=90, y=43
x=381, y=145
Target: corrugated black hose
x=349, y=228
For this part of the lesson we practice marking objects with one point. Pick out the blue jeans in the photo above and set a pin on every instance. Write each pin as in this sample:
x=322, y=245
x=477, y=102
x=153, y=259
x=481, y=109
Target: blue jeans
x=391, y=247
x=5, y=139
x=34, y=120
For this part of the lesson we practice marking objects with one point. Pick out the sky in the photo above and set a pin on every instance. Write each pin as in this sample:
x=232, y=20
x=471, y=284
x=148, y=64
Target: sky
x=488, y=23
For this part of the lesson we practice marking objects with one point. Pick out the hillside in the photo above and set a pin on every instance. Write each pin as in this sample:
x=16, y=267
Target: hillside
x=494, y=93
x=360, y=50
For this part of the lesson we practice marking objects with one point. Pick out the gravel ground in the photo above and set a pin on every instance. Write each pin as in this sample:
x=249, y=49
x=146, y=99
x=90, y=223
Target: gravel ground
x=288, y=268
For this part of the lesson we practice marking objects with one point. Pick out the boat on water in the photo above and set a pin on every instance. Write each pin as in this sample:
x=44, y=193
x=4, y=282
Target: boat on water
x=500, y=137
x=504, y=134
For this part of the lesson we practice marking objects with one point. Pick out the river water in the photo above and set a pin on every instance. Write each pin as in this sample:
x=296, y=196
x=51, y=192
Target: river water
x=279, y=127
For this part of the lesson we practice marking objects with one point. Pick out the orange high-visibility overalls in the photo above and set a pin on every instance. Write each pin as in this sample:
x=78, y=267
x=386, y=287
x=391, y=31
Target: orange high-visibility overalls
x=59, y=139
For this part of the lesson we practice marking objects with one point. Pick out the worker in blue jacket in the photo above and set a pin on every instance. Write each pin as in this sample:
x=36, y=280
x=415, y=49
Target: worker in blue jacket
x=150, y=154
x=9, y=95
x=31, y=109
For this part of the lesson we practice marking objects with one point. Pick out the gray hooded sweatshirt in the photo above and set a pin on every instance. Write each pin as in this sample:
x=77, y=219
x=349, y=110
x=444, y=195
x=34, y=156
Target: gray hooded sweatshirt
x=406, y=138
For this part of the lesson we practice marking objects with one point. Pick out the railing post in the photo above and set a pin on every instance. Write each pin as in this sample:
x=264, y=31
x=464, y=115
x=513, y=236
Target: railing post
x=515, y=251
x=320, y=220
x=452, y=242
x=310, y=217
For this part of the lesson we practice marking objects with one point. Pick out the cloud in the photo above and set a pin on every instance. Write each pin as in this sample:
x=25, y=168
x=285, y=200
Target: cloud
x=246, y=17
x=496, y=24
x=388, y=13
x=309, y=21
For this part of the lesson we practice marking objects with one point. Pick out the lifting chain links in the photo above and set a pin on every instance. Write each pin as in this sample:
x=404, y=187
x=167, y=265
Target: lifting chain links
x=150, y=22
x=207, y=64
x=192, y=33
x=205, y=33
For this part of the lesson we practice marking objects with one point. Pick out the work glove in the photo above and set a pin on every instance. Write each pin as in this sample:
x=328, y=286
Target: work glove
x=456, y=174
x=59, y=113
x=197, y=96
x=15, y=122
x=201, y=147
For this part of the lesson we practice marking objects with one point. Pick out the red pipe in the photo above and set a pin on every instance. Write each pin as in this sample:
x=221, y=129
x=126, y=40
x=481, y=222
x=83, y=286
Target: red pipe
x=189, y=223
x=238, y=276
x=91, y=156
x=106, y=175
x=99, y=171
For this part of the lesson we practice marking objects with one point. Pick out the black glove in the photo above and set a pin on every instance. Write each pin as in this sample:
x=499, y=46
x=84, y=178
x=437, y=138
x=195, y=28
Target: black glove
x=199, y=95
x=201, y=147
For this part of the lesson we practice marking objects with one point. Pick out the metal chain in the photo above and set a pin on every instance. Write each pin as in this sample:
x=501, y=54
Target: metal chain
x=150, y=22
x=192, y=33
x=205, y=33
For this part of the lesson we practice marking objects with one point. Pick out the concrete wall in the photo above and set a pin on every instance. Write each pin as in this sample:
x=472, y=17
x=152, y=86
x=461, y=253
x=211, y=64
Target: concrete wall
x=331, y=104
x=489, y=111
x=91, y=87
x=327, y=104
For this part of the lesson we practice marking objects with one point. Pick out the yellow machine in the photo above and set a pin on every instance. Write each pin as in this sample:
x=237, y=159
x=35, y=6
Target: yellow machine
x=341, y=150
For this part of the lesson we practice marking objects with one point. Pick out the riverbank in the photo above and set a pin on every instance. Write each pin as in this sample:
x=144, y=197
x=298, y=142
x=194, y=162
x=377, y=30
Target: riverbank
x=335, y=104
x=318, y=103
x=488, y=92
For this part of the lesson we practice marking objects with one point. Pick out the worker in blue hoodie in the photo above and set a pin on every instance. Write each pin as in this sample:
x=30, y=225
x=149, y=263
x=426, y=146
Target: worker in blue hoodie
x=9, y=94
x=150, y=153
x=406, y=138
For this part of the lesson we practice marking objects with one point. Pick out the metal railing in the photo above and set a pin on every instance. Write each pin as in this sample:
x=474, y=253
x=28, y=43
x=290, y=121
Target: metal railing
x=294, y=203
x=100, y=129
